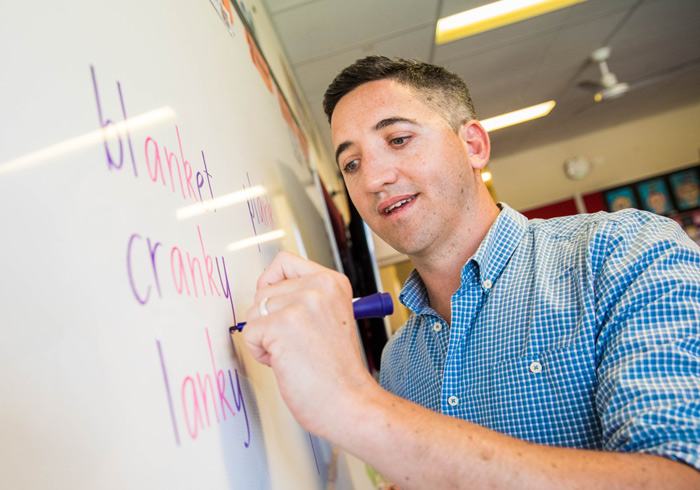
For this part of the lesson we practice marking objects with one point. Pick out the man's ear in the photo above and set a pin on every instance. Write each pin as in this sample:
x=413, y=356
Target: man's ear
x=477, y=142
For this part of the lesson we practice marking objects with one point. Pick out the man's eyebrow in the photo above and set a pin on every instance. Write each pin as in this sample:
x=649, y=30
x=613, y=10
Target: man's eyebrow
x=392, y=120
x=341, y=148
x=381, y=124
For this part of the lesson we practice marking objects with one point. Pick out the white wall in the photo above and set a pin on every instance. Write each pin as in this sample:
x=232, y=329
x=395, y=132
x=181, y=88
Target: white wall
x=621, y=154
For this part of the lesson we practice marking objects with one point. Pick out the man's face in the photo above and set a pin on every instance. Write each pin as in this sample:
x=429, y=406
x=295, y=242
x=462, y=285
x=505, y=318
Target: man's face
x=689, y=192
x=406, y=170
x=657, y=202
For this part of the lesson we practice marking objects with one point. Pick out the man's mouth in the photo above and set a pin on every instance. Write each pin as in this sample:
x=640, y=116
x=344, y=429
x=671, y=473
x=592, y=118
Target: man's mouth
x=398, y=204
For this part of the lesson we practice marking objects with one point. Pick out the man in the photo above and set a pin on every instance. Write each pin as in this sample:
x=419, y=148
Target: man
x=544, y=354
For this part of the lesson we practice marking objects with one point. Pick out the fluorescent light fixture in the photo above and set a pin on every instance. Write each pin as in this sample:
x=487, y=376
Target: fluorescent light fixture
x=517, y=117
x=220, y=202
x=494, y=15
x=88, y=139
x=255, y=240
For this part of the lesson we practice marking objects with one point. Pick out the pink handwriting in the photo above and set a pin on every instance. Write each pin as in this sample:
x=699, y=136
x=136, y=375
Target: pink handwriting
x=163, y=164
x=192, y=272
x=204, y=397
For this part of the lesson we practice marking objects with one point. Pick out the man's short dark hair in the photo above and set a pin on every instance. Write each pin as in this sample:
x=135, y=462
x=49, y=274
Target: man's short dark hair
x=438, y=87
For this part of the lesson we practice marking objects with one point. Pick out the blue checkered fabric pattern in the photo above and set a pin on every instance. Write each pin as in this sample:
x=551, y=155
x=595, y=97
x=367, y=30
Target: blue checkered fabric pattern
x=582, y=332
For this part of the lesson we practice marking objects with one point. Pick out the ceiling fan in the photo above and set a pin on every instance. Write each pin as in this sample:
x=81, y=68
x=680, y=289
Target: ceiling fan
x=609, y=87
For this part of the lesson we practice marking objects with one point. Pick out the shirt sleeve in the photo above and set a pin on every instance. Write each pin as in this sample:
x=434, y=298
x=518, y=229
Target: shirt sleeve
x=647, y=293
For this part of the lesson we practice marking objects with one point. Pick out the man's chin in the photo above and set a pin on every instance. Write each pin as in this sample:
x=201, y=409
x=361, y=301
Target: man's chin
x=399, y=245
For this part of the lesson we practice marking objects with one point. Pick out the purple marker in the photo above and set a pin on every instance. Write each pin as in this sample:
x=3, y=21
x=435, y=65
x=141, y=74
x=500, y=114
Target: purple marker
x=375, y=305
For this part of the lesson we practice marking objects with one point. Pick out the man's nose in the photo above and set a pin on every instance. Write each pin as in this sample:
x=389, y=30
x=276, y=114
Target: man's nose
x=379, y=172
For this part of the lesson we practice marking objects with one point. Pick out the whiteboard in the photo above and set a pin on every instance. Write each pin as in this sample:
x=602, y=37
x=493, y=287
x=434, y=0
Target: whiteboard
x=150, y=168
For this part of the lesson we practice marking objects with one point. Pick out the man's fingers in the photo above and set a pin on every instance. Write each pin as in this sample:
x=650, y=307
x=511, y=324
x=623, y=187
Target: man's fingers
x=326, y=281
x=278, y=289
x=266, y=304
x=254, y=337
x=263, y=332
x=287, y=266
x=293, y=302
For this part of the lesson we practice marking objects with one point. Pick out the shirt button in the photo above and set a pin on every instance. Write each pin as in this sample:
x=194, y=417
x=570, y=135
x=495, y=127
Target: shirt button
x=453, y=400
x=535, y=367
x=487, y=284
x=437, y=326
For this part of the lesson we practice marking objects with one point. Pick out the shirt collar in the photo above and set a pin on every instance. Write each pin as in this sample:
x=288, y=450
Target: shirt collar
x=498, y=245
x=414, y=295
x=491, y=257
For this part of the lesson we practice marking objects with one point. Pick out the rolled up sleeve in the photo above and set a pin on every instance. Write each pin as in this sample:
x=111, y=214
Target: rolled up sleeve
x=648, y=348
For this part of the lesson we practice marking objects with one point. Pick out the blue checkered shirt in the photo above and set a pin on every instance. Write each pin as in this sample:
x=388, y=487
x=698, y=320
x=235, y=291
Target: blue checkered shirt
x=581, y=332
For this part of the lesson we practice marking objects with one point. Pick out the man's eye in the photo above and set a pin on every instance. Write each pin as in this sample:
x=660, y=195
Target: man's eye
x=351, y=166
x=399, y=141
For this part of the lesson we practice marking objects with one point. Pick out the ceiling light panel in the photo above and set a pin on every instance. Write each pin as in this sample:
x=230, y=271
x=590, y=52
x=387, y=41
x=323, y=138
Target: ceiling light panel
x=517, y=117
x=492, y=16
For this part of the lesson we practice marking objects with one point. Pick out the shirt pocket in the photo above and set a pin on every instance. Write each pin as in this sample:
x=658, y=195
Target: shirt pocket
x=546, y=398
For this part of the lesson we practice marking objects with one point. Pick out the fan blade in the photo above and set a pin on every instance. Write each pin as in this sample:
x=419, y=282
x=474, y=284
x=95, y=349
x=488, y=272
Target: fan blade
x=589, y=85
x=663, y=75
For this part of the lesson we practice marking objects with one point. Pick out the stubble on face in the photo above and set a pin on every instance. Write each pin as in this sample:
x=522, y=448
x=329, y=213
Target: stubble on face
x=433, y=166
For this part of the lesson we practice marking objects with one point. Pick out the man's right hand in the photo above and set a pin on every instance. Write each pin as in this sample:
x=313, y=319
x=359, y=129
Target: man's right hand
x=309, y=339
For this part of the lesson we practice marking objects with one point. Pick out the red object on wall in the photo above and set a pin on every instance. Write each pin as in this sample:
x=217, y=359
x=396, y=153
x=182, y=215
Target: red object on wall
x=561, y=208
x=594, y=202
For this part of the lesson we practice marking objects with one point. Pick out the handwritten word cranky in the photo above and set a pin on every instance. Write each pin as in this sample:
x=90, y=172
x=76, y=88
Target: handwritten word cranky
x=189, y=270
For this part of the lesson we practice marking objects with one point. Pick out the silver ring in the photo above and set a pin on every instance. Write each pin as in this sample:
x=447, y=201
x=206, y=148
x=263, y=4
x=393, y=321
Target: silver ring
x=263, y=307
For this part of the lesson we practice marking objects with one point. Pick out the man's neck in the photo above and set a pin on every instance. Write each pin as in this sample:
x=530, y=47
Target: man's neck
x=441, y=270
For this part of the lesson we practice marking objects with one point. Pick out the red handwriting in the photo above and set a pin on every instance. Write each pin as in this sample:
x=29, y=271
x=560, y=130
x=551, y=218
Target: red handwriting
x=163, y=164
x=192, y=272
x=204, y=396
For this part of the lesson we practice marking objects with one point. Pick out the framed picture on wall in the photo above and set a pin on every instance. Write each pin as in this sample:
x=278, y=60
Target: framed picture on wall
x=655, y=196
x=621, y=198
x=686, y=188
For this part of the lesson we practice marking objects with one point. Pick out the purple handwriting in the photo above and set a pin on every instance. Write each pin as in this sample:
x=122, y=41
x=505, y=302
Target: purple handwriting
x=204, y=395
x=192, y=273
x=260, y=211
x=162, y=164
x=199, y=398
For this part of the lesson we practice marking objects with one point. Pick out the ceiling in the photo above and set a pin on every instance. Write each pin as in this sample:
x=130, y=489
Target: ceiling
x=511, y=67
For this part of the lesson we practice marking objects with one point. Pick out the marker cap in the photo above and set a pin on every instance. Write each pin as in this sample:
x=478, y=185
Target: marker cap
x=375, y=305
